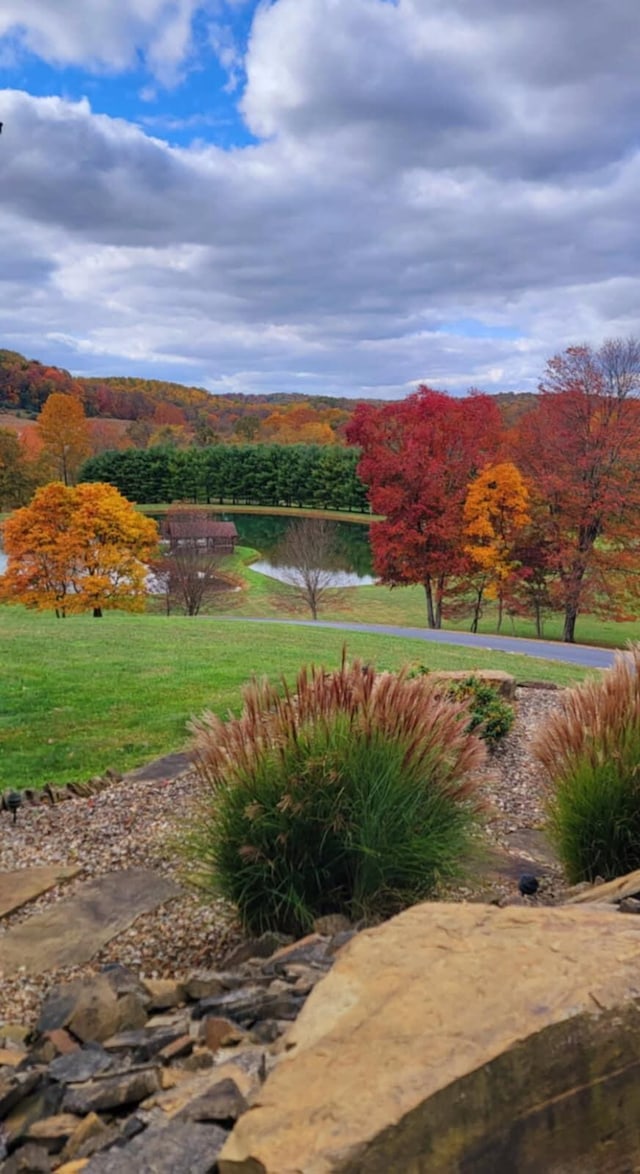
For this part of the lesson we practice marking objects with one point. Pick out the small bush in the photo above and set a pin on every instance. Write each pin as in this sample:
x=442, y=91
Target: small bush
x=354, y=794
x=591, y=752
x=490, y=716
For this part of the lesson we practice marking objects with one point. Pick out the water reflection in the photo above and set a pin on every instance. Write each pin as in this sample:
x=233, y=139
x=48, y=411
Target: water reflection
x=292, y=575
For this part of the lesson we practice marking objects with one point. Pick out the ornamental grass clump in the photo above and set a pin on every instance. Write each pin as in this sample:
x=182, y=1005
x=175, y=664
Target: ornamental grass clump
x=355, y=793
x=591, y=752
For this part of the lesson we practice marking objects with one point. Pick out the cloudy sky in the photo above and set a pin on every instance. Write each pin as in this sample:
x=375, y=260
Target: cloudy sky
x=320, y=196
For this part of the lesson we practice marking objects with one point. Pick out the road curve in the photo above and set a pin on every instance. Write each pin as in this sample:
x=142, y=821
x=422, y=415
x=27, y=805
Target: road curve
x=583, y=655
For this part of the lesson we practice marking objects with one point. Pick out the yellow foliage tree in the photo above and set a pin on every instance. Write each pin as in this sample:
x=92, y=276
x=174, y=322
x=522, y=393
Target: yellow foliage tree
x=64, y=432
x=495, y=511
x=78, y=549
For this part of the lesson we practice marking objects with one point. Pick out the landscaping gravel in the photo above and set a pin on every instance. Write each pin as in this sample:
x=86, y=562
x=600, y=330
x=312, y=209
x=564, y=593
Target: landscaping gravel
x=131, y=825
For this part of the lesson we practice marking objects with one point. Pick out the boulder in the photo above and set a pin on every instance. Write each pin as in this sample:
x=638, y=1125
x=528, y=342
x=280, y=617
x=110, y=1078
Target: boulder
x=461, y=1038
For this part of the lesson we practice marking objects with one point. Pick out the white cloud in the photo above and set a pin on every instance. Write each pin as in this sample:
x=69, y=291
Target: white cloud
x=103, y=34
x=442, y=193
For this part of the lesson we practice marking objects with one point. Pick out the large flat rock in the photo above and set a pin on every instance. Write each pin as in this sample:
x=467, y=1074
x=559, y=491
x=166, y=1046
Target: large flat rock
x=25, y=884
x=73, y=930
x=464, y=1039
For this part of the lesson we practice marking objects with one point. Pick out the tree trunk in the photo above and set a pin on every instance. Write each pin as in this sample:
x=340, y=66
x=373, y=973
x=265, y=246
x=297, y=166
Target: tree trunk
x=477, y=609
x=97, y=613
x=569, y=630
x=500, y=611
x=431, y=616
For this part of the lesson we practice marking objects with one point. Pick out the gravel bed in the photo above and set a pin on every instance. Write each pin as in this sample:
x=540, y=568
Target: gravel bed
x=130, y=825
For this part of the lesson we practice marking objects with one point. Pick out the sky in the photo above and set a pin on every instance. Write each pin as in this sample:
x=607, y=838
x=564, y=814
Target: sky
x=340, y=197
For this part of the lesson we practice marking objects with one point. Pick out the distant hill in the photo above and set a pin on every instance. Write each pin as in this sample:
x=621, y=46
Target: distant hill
x=152, y=410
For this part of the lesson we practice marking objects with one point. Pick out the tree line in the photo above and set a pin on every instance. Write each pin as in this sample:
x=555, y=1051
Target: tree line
x=543, y=517
x=321, y=476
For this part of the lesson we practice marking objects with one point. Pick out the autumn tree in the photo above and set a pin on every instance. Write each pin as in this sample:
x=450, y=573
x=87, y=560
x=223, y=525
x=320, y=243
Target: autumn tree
x=495, y=513
x=580, y=448
x=77, y=549
x=308, y=556
x=64, y=432
x=188, y=572
x=17, y=474
x=418, y=457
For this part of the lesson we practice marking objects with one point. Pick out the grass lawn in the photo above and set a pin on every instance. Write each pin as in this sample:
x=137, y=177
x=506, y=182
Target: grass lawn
x=80, y=695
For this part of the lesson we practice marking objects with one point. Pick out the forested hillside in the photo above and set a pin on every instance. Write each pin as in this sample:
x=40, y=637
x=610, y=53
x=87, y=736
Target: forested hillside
x=158, y=412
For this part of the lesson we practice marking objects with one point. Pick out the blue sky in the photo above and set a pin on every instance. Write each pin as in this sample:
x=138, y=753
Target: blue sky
x=331, y=196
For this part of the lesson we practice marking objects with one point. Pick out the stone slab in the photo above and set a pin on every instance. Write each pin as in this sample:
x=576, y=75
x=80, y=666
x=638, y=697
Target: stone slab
x=25, y=884
x=75, y=929
x=461, y=1039
x=170, y=766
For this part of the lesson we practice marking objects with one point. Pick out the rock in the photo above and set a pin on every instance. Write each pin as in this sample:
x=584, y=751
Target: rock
x=262, y=947
x=143, y=1044
x=112, y=1091
x=10, y=1057
x=43, y=1102
x=460, y=1038
x=63, y=1042
x=629, y=905
x=163, y=993
x=222, y=1102
x=82, y=1065
x=29, y=1159
x=202, y=984
x=89, y=1008
x=123, y=981
x=53, y=1132
x=615, y=890
x=182, y=1046
x=309, y=951
x=244, y=1005
x=14, y=1033
x=220, y=1033
x=16, y=1087
x=88, y=1129
x=200, y=1058
x=179, y=1147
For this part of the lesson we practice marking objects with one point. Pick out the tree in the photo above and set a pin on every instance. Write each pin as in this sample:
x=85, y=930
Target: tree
x=418, y=457
x=308, y=555
x=495, y=512
x=188, y=573
x=580, y=448
x=78, y=549
x=65, y=436
x=17, y=475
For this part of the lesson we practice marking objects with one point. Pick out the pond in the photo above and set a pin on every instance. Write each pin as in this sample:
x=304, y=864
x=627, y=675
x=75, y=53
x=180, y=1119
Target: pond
x=264, y=532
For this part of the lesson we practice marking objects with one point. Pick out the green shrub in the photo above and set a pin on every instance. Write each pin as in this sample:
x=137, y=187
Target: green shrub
x=354, y=795
x=490, y=716
x=591, y=752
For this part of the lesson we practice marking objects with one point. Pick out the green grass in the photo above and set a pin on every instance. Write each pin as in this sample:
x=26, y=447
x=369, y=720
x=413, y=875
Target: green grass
x=269, y=510
x=80, y=695
x=401, y=606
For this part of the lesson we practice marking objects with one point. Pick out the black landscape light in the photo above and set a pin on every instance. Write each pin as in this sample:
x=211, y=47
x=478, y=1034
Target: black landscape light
x=12, y=802
x=528, y=884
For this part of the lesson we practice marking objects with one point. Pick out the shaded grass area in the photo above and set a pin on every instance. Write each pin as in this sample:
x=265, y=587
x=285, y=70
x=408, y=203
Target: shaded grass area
x=80, y=695
x=283, y=511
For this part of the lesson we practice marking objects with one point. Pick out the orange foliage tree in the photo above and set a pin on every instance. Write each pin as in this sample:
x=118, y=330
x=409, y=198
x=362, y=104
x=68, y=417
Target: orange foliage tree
x=64, y=432
x=495, y=512
x=77, y=549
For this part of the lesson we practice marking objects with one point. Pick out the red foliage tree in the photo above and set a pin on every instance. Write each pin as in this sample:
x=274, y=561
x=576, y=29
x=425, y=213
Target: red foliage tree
x=580, y=448
x=418, y=457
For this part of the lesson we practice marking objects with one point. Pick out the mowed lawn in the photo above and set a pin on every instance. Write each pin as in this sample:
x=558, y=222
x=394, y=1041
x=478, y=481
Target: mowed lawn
x=400, y=606
x=83, y=694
